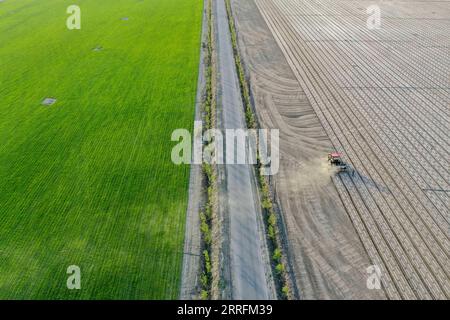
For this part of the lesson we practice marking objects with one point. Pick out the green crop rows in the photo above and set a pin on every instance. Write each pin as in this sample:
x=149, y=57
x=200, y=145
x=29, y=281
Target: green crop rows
x=89, y=181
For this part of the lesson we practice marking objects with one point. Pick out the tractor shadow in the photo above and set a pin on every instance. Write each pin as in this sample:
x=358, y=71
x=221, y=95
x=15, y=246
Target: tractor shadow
x=370, y=183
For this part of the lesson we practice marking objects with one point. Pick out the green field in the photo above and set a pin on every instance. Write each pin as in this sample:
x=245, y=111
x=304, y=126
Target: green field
x=88, y=181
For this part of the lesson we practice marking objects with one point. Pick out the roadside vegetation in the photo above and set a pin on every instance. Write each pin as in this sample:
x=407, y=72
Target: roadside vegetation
x=89, y=180
x=207, y=215
x=278, y=259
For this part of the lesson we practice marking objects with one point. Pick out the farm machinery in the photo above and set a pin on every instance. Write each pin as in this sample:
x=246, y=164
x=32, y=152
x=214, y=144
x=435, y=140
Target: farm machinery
x=335, y=159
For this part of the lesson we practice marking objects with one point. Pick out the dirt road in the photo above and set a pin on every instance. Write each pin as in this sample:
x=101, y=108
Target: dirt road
x=190, y=288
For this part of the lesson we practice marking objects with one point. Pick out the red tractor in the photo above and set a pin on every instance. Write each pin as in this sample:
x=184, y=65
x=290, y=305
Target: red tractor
x=335, y=159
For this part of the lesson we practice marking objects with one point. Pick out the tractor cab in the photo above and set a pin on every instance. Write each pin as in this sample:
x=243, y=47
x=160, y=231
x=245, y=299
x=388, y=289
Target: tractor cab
x=335, y=159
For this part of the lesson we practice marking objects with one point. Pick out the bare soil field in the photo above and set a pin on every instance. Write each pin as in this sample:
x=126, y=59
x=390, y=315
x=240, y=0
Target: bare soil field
x=381, y=97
